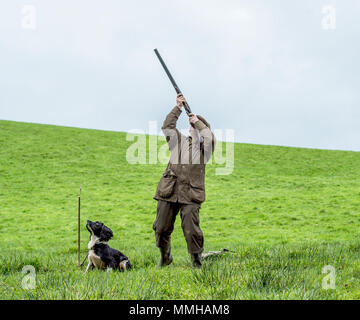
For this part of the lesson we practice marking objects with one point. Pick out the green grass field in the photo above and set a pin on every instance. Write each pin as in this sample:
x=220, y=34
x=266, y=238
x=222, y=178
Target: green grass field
x=285, y=212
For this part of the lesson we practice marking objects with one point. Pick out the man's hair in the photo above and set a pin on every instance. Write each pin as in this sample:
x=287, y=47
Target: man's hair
x=203, y=121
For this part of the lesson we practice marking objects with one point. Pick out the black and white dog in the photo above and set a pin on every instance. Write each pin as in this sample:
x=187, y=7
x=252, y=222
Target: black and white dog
x=101, y=256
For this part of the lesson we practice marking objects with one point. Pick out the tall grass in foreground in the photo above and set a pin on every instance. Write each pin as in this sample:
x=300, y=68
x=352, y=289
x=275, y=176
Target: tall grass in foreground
x=251, y=272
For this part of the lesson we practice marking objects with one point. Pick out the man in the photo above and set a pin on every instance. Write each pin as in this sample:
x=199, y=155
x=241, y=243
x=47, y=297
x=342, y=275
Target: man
x=182, y=186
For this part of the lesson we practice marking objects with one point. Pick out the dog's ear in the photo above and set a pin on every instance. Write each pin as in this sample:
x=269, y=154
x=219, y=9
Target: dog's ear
x=106, y=234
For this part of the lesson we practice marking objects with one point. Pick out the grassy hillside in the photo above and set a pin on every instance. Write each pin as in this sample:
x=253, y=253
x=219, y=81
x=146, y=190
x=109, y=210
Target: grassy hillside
x=286, y=212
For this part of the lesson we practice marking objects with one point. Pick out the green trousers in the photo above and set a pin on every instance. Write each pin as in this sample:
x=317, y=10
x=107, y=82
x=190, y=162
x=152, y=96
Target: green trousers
x=164, y=224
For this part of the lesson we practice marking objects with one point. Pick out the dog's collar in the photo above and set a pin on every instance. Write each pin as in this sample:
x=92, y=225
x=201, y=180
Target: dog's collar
x=93, y=242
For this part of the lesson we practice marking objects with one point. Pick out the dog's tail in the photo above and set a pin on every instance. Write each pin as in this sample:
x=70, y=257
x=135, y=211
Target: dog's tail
x=128, y=265
x=125, y=265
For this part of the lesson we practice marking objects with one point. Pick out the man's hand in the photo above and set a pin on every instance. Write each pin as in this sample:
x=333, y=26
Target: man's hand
x=180, y=100
x=193, y=118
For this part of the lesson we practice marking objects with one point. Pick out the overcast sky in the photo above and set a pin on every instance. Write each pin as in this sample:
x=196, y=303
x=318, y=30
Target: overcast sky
x=266, y=69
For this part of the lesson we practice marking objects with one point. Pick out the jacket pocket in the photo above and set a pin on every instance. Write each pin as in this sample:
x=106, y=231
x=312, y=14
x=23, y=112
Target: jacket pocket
x=167, y=183
x=197, y=193
x=197, y=183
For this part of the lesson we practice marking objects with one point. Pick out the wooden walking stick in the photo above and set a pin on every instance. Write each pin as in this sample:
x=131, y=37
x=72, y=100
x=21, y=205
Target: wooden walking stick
x=79, y=203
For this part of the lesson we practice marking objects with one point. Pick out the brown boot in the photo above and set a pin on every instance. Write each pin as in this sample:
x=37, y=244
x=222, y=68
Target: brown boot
x=166, y=257
x=196, y=260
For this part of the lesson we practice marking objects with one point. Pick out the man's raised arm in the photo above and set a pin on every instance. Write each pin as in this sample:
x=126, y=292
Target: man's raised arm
x=208, y=138
x=169, y=125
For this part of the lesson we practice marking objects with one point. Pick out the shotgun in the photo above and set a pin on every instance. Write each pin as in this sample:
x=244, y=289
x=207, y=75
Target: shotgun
x=186, y=106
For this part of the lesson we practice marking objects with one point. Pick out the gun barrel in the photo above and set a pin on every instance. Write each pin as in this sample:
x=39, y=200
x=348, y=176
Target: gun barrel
x=186, y=106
